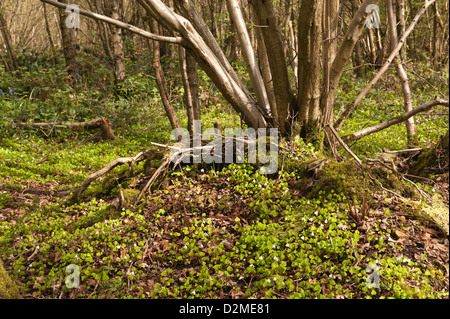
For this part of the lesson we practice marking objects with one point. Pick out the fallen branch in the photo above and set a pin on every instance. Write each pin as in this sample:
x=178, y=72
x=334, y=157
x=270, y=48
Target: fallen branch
x=345, y=146
x=396, y=120
x=101, y=123
x=119, y=161
x=155, y=175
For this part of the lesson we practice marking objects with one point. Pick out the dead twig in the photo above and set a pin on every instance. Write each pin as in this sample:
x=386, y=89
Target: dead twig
x=345, y=146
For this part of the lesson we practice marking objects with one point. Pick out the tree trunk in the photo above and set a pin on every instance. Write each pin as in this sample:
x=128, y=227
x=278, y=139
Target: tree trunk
x=267, y=76
x=345, y=51
x=401, y=13
x=271, y=32
x=310, y=40
x=329, y=46
x=116, y=41
x=160, y=80
x=190, y=83
x=248, y=54
x=410, y=126
x=232, y=89
x=49, y=34
x=14, y=65
x=69, y=43
x=358, y=59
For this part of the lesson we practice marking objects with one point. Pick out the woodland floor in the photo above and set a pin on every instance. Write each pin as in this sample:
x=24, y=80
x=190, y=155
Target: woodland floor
x=200, y=234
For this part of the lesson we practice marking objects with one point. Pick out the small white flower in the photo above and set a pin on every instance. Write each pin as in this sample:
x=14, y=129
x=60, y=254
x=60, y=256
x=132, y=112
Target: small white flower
x=326, y=221
x=118, y=246
x=287, y=245
x=202, y=170
x=311, y=219
x=251, y=265
x=268, y=280
x=193, y=292
x=273, y=246
x=303, y=237
x=260, y=257
x=275, y=258
x=316, y=213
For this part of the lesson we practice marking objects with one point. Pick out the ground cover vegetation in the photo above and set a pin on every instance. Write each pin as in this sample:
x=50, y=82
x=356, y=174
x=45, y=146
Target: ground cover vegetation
x=323, y=226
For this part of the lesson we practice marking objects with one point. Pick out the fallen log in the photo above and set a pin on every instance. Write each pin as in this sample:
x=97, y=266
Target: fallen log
x=101, y=123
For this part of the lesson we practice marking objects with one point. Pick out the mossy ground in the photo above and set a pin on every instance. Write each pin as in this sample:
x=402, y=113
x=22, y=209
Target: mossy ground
x=8, y=289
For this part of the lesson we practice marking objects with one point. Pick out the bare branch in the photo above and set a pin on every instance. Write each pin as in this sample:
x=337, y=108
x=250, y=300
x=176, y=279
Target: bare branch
x=398, y=119
x=385, y=67
x=120, y=24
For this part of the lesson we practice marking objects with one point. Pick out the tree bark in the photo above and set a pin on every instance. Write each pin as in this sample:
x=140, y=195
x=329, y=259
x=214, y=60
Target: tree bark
x=117, y=44
x=252, y=113
x=329, y=46
x=190, y=83
x=14, y=65
x=358, y=59
x=160, y=79
x=271, y=32
x=248, y=54
x=310, y=40
x=49, y=34
x=410, y=126
x=346, y=48
x=69, y=43
x=401, y=13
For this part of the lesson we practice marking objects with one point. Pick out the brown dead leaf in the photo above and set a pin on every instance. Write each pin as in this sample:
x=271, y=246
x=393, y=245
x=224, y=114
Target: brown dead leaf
x=91, y=281
x=401, y=234
x=58, y=256
x=123, y=253
x=227, y=244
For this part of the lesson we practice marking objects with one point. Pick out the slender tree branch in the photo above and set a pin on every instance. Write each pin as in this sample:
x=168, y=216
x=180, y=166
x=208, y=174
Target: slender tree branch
x=120, y=24
x=385, y=67
x=398, y=119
